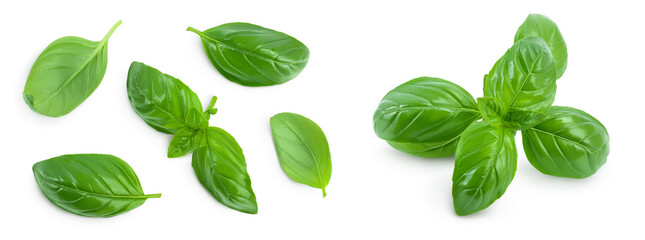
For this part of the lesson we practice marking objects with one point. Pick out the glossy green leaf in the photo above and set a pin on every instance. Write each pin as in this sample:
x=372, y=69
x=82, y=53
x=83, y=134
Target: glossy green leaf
x=220, y=167
x=161, y=100
x=541, y=26
x=185, y=141
x=567, y=143
x=485, y=164
x=493, y=110
x=524, y=78
x=92, y=185
x=520, y=120
x=425, y=116
x=196, y=119
x=252, y=55
x=65, y=74
x=302, y=149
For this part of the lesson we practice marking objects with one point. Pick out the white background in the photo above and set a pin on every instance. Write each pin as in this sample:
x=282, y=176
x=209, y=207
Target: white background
x=359, y=51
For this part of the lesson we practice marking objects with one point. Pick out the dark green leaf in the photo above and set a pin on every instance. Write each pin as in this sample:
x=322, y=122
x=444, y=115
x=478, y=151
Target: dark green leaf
x=65, y=74
x=161, y=100
x=92, y=185
x=524, y=78
x=220, y=167
x=185, y=141
x=485, y=164
x=302, y=149
x=567, y=143
x=425, y=116
x=252, y=55
x=541, y=26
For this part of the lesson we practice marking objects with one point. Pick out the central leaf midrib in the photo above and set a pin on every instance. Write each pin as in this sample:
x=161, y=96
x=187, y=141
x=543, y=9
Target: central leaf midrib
x=322, y=184
x=524, y=82
x=45, y=178
x=245, y=51
x=565, y=138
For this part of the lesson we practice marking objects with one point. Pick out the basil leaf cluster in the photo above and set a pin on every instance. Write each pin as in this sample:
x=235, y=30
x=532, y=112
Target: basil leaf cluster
x=91, y=185
x=432, y=117
x=169, y=106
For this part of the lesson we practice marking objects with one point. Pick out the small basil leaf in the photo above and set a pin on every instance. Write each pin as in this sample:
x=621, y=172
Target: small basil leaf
x=425, y=113
x=252, y=55
x=91, y=185
x=493, y=110
x=161, y=100
x=541, y=26
x=567, y=143
x=185, y=141
x=220, y=167
x=196, y=120
x=65, y=74
x=302, y=149
x=524, y=78
x=485, y=164
x=520, y=120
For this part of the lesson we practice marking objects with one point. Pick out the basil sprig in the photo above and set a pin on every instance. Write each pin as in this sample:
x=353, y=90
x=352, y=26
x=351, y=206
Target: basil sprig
x=431, y=117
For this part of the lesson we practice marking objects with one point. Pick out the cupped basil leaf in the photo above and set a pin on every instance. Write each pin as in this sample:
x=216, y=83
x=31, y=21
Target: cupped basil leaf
x=493, y=110
x=91, y=185
x=541, y=26
x=161, y=100
x=302, y=149
x=220, y=167
x=520, y=120
x=185, y=141
x=196, y=119
x=485, y=164
x=425, y=116
x=252, y=55
x=65, y=74
x=524, y=78
x=567, y=143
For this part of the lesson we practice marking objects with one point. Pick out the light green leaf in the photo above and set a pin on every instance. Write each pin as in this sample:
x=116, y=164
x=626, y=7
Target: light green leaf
x=185, y=141
x=541, y=26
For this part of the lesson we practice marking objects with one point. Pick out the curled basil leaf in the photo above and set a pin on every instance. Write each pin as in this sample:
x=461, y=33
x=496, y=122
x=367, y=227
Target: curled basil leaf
x=541, y=26
x=567, y=143
x=65, y=74
x=252, y=55
x=524, y=78
x=161, y=100
x=302, y=149
x=185, y=141
x=485, y=164
x=493, y=110
x=425, y=116
x=220, y=167
x=91, y=185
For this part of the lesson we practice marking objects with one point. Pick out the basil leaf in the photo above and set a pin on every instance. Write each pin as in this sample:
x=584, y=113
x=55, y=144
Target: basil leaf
x=520, y=120
x=65, y=74
x=196, y=120
x=302, y=149
x=161, y=100
x=185, y=141
x=220, y=167
x=485, y=164
x=524, y=78
x=425, y=116
x=252, y=55
x=567, y=143
x=91, y=185
x=541, y=26
x=493, y=110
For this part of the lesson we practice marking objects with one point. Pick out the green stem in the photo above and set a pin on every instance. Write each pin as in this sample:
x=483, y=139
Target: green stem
x=192, y=29
x=107, y=36
x=212, y=103
x=156, y=195
x=324, y=192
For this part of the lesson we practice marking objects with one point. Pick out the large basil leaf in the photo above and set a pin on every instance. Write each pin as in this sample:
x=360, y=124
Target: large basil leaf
x=567, y=143
x=92, y=185
x=485, y=164
x=425, y=116
x=252, y=55
x=302, y=149
x=220, y=167
x=541, y=26
x=161, y=100
x=524, y=78
x=65, y=74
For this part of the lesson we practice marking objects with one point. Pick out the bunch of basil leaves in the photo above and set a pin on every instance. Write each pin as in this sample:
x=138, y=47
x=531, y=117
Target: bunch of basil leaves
x=432, y=117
